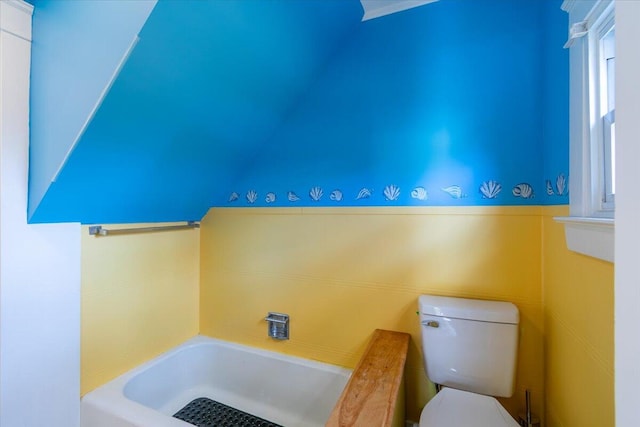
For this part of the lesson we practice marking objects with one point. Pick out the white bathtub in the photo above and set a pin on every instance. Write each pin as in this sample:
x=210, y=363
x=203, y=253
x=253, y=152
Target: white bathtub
x=286, y=390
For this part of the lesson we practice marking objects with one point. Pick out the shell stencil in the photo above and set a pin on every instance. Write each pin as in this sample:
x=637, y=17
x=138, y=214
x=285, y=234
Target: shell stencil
x=523, y=190
x=292, y=197
x=490, y=189
x=419, y=193
x=550, y=191
x=364, y=193
x=454, y=191
x=391, y=192
x=252, y=196
x=316, y=194
x=561, y=184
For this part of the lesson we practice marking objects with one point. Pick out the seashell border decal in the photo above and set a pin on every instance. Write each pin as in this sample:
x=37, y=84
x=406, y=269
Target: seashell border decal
x=561, y=185
x=523, y=190
x=391, y=193
x=316, y=194
x=559, y=188
x=292, y=197
x=550, y=190
x=490, y=189
x=364, y=193
x=454, y=191
x=270, y=197
x=419, y=193
x=252, y=196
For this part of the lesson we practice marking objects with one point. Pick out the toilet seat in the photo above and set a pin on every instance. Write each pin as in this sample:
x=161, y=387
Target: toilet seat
x=454, y=408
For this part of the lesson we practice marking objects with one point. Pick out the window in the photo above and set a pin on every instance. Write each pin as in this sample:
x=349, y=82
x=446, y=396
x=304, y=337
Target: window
x=589, y=228
x=607, y=67
x=603, y=124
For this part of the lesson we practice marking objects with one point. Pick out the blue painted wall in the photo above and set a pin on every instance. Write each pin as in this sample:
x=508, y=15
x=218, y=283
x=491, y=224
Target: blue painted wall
x=448, y=96
x=286, y=103
x=555, y=92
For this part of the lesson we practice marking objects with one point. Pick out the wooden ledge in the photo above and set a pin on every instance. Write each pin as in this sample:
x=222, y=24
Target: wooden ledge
x=369, y=399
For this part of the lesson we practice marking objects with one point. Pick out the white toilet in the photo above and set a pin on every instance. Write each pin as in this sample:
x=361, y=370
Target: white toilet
x=470, y=349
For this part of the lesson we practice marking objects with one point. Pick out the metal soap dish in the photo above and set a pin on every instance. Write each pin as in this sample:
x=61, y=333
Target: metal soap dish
x=278, y=325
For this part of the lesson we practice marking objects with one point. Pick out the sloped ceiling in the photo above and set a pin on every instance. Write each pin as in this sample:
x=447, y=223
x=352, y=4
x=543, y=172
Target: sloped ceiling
x=284, y=103
x=206, y=84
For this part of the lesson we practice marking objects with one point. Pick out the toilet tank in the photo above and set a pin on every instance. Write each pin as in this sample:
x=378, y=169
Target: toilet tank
x=470, y=344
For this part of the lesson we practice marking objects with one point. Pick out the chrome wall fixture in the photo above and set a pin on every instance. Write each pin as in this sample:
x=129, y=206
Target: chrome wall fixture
x=528, y=419
x=277, y=325
x=97, y=230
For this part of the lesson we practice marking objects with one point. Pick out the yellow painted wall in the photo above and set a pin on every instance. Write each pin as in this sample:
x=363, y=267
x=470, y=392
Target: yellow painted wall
x=341, y=273
x=139, y=298
x=578, y=316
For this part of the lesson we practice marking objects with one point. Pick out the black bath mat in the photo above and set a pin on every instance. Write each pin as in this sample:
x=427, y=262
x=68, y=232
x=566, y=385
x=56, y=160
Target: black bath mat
x=203, y=412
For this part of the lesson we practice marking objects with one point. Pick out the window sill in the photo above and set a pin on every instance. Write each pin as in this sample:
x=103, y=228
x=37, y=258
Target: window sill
x=590, y=236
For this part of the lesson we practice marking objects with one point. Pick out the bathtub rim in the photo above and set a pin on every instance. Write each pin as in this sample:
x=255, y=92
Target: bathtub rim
x=110, y=397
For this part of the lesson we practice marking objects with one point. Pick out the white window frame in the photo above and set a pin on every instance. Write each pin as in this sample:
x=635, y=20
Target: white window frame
x=601, y=204
x=590, y=227
x=606, y=116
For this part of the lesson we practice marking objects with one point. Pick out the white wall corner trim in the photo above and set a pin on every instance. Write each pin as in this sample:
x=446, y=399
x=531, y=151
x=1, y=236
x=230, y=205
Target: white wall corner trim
x=20, y=4
x=627, y=268
x=39, y=264
x=594, y=237
x=15, y=18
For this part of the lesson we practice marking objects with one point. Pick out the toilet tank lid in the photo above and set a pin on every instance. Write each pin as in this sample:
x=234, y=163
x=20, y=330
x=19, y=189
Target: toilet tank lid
x=469, y=309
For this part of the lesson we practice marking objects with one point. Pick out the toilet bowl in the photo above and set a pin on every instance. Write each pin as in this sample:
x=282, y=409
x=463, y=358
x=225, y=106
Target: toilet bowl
x=457, y=408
